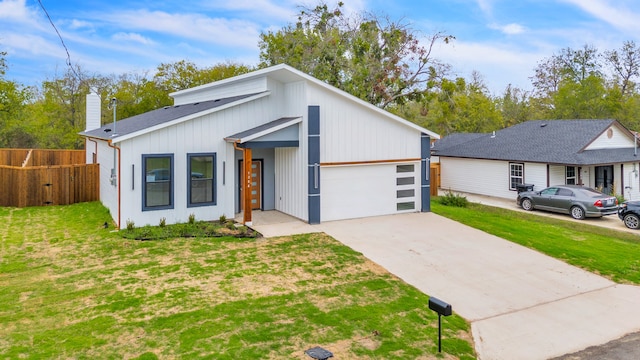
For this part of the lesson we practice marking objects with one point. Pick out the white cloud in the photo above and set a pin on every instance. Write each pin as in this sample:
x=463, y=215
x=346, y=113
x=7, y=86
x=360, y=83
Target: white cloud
x=33, y=45
x=236, y=33
x=80, y=24
x=502, y=65
x=509, y=29
x=132, y=37
x=283, y=10
x=486, y=6
x=617, y=13
x=15, y=10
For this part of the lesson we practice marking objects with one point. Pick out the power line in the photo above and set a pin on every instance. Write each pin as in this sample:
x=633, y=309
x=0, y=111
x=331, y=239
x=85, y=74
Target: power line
x=61, y=40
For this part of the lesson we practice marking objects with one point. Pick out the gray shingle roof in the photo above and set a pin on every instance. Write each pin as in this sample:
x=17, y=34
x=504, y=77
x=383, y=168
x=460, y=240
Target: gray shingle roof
x=260, y=128
x=541, y=141
x=156, y=117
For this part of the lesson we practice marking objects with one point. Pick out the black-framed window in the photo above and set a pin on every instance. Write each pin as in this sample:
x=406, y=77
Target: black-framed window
x=516, y=175
x=201, y=188
x=570, y=175
x=157, y=181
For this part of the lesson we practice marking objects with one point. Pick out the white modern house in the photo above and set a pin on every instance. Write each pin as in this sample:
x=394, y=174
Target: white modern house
x=601, y=154
x=290, y=142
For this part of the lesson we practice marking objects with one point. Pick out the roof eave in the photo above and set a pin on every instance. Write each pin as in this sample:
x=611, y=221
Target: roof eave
x=302, y=75
x=189, y=117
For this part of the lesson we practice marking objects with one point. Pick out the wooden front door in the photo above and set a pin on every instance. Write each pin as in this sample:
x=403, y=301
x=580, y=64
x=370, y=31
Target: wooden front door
x=256, y=184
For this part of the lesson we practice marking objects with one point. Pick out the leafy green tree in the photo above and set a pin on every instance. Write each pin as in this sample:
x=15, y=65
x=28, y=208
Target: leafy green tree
x=59, y=111
x=377, y=60
x=458, y=106
x=514, y=105
x=184, y=74
x=14, y=131
x=588, y=99
x=135, y=94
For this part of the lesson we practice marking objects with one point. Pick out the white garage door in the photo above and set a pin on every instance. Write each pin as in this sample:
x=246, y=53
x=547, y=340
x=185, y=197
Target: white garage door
x=355, y=191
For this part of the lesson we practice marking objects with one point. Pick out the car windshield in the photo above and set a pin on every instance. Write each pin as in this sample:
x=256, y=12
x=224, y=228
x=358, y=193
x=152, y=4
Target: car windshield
x=591, y=193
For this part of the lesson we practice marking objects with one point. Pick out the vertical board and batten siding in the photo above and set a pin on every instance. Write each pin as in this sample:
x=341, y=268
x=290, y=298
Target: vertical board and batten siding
x=352, y=134
x=108, y=192
x=619, y=139
x=487, y=177
x=201, y=135
x=206, y=92
x=291, y=163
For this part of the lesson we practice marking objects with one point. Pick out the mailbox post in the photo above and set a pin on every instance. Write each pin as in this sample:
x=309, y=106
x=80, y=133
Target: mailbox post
x=442, y=308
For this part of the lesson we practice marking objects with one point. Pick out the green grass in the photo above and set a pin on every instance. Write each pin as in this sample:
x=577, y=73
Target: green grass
x=613, y=254
x=72, y=289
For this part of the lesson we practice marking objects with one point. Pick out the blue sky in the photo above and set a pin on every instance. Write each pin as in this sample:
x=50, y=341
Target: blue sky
x=501, y=39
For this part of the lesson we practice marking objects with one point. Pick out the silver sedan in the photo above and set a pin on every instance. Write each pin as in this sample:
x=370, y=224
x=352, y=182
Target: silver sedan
x=577, y=201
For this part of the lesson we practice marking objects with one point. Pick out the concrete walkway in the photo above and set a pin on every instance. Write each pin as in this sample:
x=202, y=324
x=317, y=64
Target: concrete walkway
x=521, y=304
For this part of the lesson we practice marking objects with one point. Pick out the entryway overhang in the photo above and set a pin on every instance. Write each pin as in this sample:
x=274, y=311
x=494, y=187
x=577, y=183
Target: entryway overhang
x=282, y=132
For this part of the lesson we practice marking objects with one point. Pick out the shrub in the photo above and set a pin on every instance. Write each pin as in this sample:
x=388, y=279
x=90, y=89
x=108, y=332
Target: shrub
x=192, y=218
x=130, y=224
x=222, y=219
x=451, y=199
x=163, y=222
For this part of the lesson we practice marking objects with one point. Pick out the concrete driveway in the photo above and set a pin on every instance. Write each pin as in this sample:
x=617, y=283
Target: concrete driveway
x=521, y=304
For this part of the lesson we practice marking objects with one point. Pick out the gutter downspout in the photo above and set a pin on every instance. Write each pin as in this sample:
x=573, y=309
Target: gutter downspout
x=117, y=149
x=246, y=185
x=95, y=154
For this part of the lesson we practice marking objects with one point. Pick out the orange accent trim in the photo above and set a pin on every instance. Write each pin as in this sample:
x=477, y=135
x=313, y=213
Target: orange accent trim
x=369, y=162
x=246, y=185
x=118, y=175
x=247, y=158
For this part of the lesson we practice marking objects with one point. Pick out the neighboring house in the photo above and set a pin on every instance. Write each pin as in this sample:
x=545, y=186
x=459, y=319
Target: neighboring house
x=310, y=150
x=601, y=154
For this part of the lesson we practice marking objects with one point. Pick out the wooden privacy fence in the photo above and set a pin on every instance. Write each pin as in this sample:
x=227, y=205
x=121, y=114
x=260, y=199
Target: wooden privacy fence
x=60, y=178
x=41, y=157
x=434, y=176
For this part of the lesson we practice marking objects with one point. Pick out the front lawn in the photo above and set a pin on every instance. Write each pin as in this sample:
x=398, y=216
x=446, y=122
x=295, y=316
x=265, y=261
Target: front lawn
x=611, y=253
x=72, y=289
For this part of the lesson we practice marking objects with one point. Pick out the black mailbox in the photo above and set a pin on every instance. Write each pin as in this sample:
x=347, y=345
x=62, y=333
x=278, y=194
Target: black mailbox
x=443, y=309
x=439, y=306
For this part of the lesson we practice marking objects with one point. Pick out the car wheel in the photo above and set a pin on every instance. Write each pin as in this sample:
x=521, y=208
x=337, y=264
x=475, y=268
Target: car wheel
x=632, y=221
x=526, y=204
x=577, y=213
